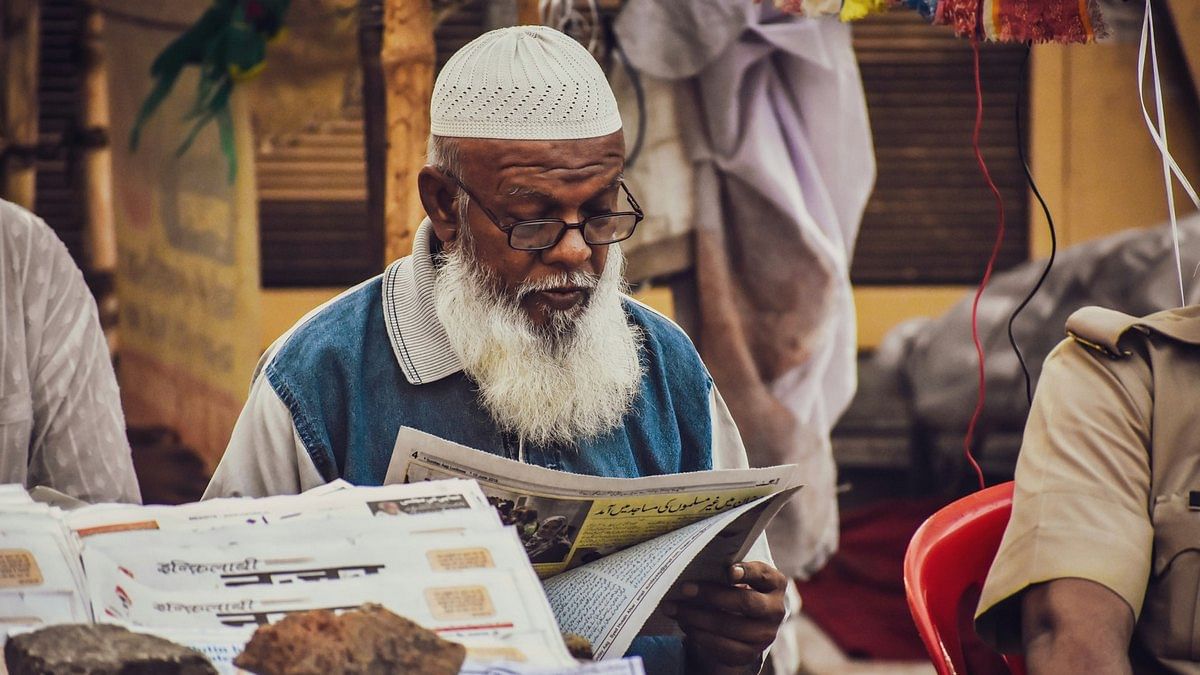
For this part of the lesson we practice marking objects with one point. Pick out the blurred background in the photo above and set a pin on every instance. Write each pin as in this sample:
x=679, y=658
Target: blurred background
x=198, y=266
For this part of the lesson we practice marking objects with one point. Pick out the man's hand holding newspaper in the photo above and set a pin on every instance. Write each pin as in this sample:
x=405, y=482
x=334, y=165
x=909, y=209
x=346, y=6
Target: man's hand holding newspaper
x=729, y=624
x=616, y=547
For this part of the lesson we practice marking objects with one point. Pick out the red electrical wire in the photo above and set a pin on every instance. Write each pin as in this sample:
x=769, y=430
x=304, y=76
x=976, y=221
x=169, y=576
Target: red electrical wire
x=987, y=274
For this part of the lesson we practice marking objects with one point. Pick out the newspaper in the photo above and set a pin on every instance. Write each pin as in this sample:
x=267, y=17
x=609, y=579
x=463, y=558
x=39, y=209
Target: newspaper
x=207, y=575
x=487, y=610
x=171, y=560
x=609, y=549
x=41, y=580
x=336, y=498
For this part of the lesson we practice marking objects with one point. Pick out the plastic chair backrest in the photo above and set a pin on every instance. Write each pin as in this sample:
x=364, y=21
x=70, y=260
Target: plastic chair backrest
x=944, y=567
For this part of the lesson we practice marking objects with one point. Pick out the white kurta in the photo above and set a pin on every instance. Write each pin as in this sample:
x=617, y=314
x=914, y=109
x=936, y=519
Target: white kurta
x=60, y=412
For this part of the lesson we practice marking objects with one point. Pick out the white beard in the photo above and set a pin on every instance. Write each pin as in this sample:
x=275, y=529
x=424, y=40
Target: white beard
x=573, y=379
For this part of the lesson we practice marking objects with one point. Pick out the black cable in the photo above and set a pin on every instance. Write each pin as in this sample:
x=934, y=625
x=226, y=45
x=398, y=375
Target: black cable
x=1049, y=221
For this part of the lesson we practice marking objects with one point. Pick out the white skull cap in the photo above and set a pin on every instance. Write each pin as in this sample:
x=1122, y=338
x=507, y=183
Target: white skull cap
x=526, y=83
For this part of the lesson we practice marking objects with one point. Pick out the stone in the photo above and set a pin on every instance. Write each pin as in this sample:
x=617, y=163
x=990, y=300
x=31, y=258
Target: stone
x=367, y=641
x=99, y=649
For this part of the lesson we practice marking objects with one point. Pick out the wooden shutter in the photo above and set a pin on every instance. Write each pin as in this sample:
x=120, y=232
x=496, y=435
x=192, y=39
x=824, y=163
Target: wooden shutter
x=458, y=28
x=931, y=218
x=312, y=192
x=58, y=199
x=312, y=209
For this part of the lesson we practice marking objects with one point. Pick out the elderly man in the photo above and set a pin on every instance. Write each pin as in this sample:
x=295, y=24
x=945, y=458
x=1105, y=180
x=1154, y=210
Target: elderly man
x=1098, y=569
x=61, y=423
x=506, y=330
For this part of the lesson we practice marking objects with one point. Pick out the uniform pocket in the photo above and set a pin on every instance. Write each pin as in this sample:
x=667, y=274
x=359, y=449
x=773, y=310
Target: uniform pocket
x=1169, y=621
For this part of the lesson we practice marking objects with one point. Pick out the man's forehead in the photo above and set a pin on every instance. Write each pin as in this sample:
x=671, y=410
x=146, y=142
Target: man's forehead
x=536, y=168
x=516, y=187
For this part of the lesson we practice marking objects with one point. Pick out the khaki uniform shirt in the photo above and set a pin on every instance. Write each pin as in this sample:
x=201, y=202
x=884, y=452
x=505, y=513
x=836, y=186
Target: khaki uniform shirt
x=1108, y=483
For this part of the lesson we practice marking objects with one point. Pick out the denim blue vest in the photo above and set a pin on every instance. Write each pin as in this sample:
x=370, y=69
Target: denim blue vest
x=339, y=377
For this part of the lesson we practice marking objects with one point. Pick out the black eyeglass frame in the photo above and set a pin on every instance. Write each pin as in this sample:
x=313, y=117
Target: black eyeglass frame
x=637, y=213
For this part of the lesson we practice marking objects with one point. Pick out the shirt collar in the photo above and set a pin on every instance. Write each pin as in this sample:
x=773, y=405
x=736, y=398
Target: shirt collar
x=418, y=338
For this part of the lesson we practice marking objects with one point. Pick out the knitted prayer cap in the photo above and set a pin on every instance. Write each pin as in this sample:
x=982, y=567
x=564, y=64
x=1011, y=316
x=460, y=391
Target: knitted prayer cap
x=523, y=82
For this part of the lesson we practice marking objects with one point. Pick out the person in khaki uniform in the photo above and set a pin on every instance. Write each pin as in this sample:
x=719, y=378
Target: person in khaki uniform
x=1099, y=569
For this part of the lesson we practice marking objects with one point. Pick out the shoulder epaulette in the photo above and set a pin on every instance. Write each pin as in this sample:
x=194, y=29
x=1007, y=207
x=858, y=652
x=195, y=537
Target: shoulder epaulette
x=1181, y=324
x=1101, y=329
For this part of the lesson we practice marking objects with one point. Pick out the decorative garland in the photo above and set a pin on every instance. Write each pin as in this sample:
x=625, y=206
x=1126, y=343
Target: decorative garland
x=1023, y=21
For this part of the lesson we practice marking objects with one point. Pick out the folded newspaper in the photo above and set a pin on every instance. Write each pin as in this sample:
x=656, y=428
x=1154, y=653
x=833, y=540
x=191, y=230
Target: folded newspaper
x=609, y=549
x=207, y=574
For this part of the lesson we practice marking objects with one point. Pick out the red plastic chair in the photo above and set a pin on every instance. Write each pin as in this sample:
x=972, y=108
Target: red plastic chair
x=944, y=568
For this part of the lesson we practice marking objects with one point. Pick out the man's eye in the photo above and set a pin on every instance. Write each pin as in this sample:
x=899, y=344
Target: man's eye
x=518, y=215
x=597, y=210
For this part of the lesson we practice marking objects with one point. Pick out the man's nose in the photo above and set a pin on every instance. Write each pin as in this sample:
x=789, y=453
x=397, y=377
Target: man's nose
x=571, y=252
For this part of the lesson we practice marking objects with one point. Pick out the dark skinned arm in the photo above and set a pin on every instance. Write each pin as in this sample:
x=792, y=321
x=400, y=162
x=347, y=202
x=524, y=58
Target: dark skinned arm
x=1075, y=626
x=729, y=625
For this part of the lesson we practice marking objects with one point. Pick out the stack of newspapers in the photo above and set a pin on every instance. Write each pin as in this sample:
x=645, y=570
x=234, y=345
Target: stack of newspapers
x=456, y=542
x=41, y=581
x=206, y=575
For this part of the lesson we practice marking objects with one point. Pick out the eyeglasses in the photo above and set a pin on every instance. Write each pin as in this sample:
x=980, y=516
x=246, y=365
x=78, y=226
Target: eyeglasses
x=545, y=233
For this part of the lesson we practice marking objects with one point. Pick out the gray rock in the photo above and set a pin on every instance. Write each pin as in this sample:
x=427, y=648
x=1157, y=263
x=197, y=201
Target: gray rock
x=100, y=649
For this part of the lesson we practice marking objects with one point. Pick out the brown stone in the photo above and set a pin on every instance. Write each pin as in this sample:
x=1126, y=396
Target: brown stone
x=367, y=641
x=99, y=649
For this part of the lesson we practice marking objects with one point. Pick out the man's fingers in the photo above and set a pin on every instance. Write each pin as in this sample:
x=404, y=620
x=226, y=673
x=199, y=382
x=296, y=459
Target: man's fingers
x=755, y=632
x=758, y=575
x=725, y=650
x=742, y=601
x=682, y=591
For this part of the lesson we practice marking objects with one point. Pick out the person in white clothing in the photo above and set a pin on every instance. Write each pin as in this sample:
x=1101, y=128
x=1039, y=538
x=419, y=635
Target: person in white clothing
x=61, y=423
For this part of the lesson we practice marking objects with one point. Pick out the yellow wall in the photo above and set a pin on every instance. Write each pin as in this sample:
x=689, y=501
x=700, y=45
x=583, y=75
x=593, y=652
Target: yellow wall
x=1092, y=158
x=283, y=307
x=1092, y=154
x=880, y=308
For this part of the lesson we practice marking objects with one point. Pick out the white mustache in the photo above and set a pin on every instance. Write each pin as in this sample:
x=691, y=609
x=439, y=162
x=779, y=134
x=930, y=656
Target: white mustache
x=582, y=280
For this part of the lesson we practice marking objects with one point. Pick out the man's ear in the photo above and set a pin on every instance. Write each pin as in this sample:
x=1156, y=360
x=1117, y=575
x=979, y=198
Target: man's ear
x=437, y=196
